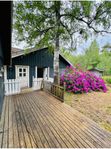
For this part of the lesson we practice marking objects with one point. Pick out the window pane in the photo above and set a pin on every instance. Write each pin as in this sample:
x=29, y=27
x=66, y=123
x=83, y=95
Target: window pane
x=24, y=70
x=24, y=74
x=20, y=69
x=20, y=74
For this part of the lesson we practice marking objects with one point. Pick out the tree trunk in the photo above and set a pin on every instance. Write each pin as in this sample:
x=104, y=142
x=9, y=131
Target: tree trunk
x=57, y=46
x=56, y=62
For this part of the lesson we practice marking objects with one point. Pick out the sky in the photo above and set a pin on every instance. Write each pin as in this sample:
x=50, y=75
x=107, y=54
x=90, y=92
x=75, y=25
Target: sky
x=101, y=40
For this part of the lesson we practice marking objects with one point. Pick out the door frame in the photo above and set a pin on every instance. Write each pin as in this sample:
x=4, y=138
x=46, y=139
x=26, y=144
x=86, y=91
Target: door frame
x=46, y=73
x=16, y=71
x=45, y=70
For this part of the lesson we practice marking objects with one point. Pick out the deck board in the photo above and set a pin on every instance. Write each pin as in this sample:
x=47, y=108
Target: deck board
x=37, y=119
x=28, y=135
x=5, y=129
x=10, y=142
x=88, y=134
x=34, y=125
x=83, y=121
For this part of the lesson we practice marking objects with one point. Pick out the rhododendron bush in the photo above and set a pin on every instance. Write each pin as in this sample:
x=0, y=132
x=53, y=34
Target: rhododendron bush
x=78, y=81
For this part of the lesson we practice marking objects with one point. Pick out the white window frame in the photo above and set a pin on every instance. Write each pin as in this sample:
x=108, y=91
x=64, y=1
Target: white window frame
x=36, y=72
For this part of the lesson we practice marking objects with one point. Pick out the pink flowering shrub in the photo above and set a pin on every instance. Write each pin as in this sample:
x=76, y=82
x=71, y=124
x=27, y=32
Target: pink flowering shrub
x=77, y=81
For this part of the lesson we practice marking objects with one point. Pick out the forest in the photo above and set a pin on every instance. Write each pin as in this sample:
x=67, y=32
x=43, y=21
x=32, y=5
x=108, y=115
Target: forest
x=92, y=56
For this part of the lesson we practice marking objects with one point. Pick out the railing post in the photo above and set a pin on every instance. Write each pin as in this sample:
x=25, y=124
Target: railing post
x=42, y=86
x=64, y=87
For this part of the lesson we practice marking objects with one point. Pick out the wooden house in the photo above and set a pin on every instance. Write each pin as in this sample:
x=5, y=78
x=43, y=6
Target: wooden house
x=33, y=64
x=96, y=71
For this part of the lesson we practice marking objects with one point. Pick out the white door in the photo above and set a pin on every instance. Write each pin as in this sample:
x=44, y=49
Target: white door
x=22, y=74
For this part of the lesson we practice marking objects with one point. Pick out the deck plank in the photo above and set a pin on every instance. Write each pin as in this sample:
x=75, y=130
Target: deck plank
x=16, y=139
x=81, y=121
x=38, y=120
x=66, y=134
x=2, y=122
x=42, y=128
x=72, y=134
x=39, y=113
x=35, y=129
x=10, y=137
x=6, y=127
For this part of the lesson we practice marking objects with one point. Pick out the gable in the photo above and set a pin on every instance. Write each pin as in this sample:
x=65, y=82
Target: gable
x=41, y=58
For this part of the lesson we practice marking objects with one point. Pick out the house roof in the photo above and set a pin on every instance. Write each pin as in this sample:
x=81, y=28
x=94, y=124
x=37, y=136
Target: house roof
x=97, y=69
x=15, y=52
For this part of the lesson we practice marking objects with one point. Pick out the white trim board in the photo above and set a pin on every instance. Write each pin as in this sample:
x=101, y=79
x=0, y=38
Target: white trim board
x=5, y=72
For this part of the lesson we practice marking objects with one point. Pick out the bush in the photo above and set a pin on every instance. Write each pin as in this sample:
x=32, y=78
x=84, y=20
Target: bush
x=107, y=79
x=77, y=81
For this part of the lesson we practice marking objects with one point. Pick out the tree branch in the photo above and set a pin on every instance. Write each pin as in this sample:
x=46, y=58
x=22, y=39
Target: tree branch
x=88, y=23
x=47, y=29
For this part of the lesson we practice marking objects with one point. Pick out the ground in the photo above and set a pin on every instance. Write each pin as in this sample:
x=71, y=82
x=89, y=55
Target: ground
x=95, y=105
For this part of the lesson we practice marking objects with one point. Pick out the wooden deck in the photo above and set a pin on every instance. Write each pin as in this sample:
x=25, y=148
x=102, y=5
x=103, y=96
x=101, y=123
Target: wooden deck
x=37, y=119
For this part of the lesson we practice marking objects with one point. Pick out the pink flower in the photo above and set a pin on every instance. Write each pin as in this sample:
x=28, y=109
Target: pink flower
x=78, y=81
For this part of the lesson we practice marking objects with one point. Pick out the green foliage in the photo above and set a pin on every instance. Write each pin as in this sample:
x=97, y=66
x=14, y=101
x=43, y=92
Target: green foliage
x=105, y=61
x=87, y=7
x=92, y=54
x=36, y=23
x=92, y=57
x=55, y=23
x=107, y=79
x=106, y=125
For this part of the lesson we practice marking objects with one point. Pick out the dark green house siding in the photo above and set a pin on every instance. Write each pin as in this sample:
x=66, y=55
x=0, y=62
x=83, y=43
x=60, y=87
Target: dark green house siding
x=1, y=80
x=41, y=58
x=5, y=42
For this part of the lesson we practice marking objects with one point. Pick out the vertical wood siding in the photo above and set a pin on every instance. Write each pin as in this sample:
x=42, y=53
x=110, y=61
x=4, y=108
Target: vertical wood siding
x=41, y=58
x=1, y=80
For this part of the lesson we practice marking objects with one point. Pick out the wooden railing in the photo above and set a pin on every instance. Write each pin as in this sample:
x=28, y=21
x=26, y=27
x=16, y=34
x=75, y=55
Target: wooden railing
x=37, y=83
x=12, y=86
x=55, y=90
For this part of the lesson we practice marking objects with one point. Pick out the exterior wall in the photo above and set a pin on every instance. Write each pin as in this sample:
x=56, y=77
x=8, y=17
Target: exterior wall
x=31, y=74
x=1, y=80
x=5, y=42
x=62, y=67
x=11, y=72
x=40, y=58
x=1, y=93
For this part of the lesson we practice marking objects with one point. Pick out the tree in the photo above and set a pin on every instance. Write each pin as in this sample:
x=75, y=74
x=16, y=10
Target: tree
x=105, y=61
x=92, y=55
x=107, y=47
x=56, y=23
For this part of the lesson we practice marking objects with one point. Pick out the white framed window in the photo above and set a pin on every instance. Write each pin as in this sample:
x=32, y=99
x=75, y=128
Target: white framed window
x=22, y=72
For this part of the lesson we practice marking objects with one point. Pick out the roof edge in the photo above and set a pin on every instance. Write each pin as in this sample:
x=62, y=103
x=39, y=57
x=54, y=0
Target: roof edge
x=34, y=50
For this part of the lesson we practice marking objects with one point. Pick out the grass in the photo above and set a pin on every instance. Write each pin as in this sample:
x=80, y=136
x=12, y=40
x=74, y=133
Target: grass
x=108, y=109
x=107, y=79
x=68, y=98
x=106, y=126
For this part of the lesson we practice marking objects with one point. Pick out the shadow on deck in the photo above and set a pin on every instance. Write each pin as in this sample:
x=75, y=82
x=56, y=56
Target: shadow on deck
x=36, y=119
